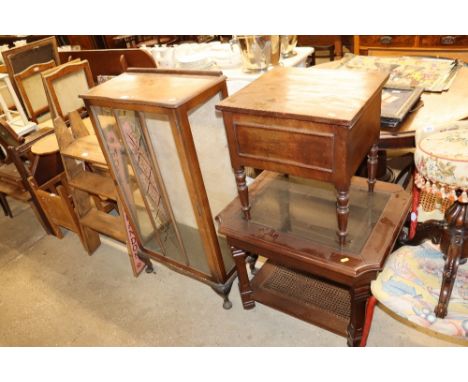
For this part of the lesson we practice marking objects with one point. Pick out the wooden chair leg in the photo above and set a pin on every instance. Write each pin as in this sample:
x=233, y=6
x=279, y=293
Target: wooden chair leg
x=449, y=275
x=371, y=301
x=453, y=245
x=331, y=53
x=5, y=206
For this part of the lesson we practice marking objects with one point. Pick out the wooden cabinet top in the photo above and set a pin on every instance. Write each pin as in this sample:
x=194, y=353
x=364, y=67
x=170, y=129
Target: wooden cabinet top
x=154, y=89
x=320, y=95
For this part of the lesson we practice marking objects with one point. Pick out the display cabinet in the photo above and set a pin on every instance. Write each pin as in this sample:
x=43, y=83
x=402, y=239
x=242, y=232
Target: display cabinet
x=167, y=152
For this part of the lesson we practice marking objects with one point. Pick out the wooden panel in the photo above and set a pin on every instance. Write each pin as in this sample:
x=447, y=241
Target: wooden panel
x=58, y=208
x=108, y=61
x=388, y=40
x=297, y=147
x=445, y=41
x=94, y=184
x=85, y=42
x=106, y=224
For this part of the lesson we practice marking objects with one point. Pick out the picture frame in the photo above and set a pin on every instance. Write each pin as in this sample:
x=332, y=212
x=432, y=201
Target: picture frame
x=397, y=103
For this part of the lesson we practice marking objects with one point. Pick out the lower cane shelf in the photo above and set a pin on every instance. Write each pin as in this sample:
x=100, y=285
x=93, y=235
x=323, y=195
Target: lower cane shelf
x=304, y=296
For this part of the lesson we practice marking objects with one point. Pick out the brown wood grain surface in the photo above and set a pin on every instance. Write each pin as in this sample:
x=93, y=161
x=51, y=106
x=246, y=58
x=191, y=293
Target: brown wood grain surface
x=326, y=96
x=173, y=90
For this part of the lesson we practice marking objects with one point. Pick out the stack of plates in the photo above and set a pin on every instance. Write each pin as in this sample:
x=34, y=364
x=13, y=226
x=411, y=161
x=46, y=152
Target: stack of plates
x=194, y=61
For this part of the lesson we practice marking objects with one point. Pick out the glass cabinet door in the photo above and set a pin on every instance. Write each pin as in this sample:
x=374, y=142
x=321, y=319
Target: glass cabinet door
x=130, y=161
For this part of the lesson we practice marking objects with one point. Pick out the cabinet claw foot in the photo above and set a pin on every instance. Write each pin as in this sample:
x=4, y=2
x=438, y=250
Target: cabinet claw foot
x=227, y=304
x=149, y=268
x=223, y=291
x=252, y=260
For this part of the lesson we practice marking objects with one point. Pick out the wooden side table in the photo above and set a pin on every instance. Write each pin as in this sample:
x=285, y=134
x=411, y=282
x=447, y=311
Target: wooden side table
x=316, y=124
x=308, y=274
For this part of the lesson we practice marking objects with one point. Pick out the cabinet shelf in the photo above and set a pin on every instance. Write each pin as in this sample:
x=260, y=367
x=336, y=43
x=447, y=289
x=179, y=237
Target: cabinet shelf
x=104, y=223
x=94, y=184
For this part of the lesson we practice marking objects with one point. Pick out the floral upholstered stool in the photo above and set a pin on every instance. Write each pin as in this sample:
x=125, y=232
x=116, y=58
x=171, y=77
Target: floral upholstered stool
x=417, y=282
x=409, y=286
x=441, y=159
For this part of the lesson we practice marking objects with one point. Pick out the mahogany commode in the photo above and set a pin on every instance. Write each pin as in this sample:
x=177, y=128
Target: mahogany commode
x=313, y=123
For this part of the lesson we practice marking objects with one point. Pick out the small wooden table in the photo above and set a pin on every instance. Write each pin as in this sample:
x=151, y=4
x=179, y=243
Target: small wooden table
x=308, y=274
x=313, y=123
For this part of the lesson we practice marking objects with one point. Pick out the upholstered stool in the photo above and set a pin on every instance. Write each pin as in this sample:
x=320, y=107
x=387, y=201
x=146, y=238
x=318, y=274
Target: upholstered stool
x=409, y=286
x=441, y=159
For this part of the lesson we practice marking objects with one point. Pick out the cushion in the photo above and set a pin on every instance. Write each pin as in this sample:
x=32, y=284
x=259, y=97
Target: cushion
x=410, y=284
x=443, y=158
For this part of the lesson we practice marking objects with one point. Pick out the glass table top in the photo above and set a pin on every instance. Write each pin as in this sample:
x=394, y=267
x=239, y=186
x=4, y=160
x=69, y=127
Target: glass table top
x=307, y=209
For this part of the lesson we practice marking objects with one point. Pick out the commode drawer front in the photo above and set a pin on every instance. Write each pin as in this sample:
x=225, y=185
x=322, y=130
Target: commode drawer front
x=387, y=40
x=444, y=41
x=284, y=145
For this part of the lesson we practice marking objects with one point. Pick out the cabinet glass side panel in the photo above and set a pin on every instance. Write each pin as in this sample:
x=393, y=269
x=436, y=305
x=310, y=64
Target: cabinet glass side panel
x=165, y=150
x=146, y=176
x=210, y=141
x=125, y=177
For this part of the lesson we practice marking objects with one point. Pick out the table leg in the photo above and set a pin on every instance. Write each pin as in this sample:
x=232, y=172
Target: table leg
x=359, y=297
x=453, y=245
x=342, y=213
x=5, y=205
x=245, y=288
x=449, y=275
x=372, y=165
x=243, y=191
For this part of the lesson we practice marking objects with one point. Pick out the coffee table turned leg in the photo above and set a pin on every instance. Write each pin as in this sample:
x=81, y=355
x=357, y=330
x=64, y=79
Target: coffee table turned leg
x=243, y=191
x=372, y=165
x=342, y=213
x=359, y=297
x=244, y=283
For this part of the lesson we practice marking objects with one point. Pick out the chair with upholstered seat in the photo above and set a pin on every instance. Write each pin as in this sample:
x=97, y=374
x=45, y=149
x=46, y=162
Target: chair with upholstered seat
x=409, y=286
x=430, y=282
